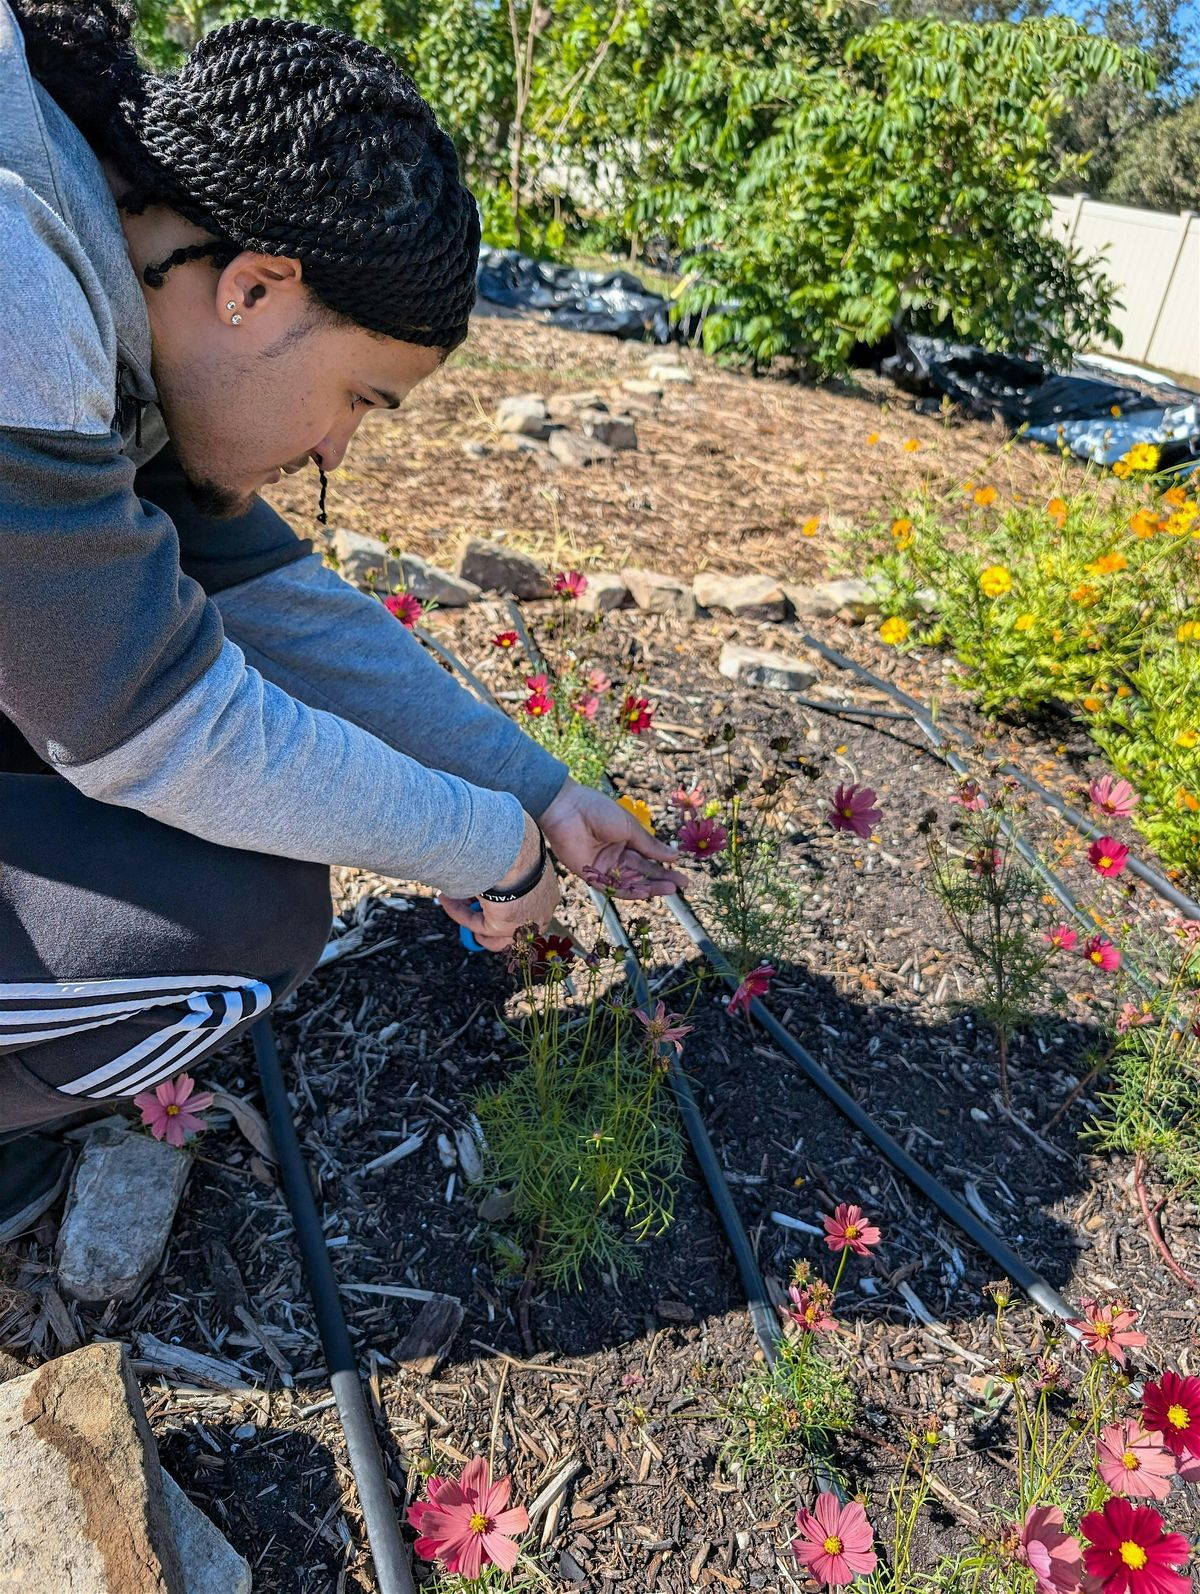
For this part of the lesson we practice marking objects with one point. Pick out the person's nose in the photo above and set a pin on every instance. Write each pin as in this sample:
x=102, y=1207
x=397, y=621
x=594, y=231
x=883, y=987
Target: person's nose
x=331, y=450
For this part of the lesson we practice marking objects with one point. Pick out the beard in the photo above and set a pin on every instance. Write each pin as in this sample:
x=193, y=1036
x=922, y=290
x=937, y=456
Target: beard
x=214, y=500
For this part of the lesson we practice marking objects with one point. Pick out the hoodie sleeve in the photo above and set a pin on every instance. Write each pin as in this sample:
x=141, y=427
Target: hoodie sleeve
x=115, y=666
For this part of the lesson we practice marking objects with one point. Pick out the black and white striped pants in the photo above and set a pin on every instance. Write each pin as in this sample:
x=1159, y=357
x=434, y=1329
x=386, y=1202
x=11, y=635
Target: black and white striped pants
x=129, y=951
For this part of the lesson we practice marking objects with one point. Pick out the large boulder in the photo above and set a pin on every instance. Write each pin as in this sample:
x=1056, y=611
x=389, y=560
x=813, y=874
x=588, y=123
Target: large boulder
x=365, y=561
x=431, y=585
x=605, y=591
x=765, y=667
x=748, y=597
x=498, y=569
x=569, y=448
x=659, y=594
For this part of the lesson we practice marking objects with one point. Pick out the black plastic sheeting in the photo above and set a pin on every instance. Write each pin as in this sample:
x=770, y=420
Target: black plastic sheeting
x=614, y=302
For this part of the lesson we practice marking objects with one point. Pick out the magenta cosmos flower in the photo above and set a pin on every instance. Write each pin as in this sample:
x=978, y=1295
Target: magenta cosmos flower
x=702, y=837
x=970, y=796
x=854, y=809
x=587, y=705
x=810, y=1307
x=1171, y=1407
x=405, y=607
x=756, y=983
x=665, y=1029
x=636, y=714
x=1107, y=856
x=1108, y=1330
x=688, y=802
x=1062, y=938
x=465, y=1524
x=1130, y=1462
x=538, y=704
x=1130, y=1554
x=848, y=1230
x=171, y=1112
x=570, y=583
x=835, y=1541
x=1053, y=1556
x=505, y=640
x=1116, y=798
x=1100, y=951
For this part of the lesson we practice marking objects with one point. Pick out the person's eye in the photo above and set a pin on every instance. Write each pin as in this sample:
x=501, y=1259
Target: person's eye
x=357, y=400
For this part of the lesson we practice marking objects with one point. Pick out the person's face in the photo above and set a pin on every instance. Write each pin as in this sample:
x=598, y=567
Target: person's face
x=245, y=402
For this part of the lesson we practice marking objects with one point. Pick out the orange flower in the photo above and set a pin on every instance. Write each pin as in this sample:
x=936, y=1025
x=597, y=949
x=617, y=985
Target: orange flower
x=911, y=445
x=902, y=531
x=1084, y=595
x=1108, y=564
x=1144, y=523
x=872, y=440
x=1185, y=800
x=1115, y=410
x=1175, y=496
x=1093, y=705
x=811, y=526
x=985, y=496
x=1122, y=468
x=1057, y=510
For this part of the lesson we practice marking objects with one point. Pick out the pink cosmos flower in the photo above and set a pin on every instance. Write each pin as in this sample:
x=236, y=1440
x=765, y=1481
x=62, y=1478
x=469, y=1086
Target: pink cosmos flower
x=756, y=983
x=405, y=607
x=688, y=802
x=1107, y=1330
x=664, y=1028
x=465, y=1525
x=598, y=681
x=170, y=1112
x=636, y=714
x=1131, y=1017
x=703, y=837
x=1054, y=1557
x=587, y=705
x=847, y=1230
x=1130, y=1462
x=1107, y=856
x=1171, y=1407
x=1130, y=1554
x=570, y=583
x=854, y=809
x=1187, y=930
x=1100, y=951
x=623, y=872
x=537, y=683
x=505, y=640
x=835, y=1541
x=1116, y=798
x=1062, y=938
x=969, y=796
x=810, y=1307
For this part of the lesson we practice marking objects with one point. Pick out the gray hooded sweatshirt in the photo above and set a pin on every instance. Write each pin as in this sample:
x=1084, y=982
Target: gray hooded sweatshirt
x=280, y=710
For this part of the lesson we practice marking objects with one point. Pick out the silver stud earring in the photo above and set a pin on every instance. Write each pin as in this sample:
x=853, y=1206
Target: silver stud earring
x=232, y=304
x=235, y=320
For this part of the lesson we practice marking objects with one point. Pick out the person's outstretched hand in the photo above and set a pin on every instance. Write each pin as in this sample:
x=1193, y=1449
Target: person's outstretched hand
x=597, y=839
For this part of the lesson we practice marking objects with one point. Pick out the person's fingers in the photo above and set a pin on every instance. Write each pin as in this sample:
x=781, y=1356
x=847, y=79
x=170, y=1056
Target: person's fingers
x=461, y=911
x=640, y=840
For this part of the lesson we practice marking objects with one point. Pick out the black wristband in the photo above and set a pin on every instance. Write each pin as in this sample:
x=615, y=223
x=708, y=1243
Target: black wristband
x=527, y=882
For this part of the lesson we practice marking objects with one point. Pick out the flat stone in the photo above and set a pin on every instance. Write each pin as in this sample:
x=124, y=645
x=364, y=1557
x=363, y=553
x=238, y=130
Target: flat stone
x=749, y=597
x=671, y=373
x=667, y=354
x=210, y=1563
x=522, y=443
x=810, y=603
x=526, y=425
x=571, y=449
x=431, y=585
x=566, y=406
x=531, y=405
x=618, y=431
x=765, y=667
x=82, y=1501
x=659, y=594
x=605, y=591
x=120, y=1207
x=498, y=569
x=365, y=561
x=855, y=598
x=642, y=388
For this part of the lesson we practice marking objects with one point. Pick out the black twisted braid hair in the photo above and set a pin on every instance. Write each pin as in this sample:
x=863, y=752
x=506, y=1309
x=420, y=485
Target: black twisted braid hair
x=282, y=138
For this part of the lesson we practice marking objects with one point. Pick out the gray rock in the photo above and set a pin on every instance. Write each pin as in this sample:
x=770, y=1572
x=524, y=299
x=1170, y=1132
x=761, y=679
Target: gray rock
x=618, y=431
x=526, y=425
x=431, y=585
x=670, y=373
x=82, y=1501
x=566, y=406
x=666, y=355
x=474, y=449
x=365, y=561
x=765, y=667
x=855, y=598
x=520, y=405
x=659, y=594
x=210, y=1563
x=498, y=569
x=571, y=449
x=120, y=1208
x=810, y=603
x=522, y=443
x=643, y=388
x=605, y=591
x=749, y=597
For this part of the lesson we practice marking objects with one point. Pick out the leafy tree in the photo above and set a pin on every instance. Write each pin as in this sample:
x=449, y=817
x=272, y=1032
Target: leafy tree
x=1159, y=168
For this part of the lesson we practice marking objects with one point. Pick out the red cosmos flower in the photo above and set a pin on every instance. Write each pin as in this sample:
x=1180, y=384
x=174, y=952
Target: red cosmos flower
x=854, y=809
x=1130, y=1462
x=1054, y=1557
x=636, y=714
x=1107, y=856
x=756, y=983
x=1107, y=1330
x=688, y=802
x=570, y=583
x=506, y=639
x=1116, y=798
x=847, y=1230
x=465, y=1525
x=1062, y=938
x=1130, y=1554
x=835, y=1541
x=703, y=837
x=587, y=705
x=1102, y=953
x=969, y=796
x=810, y=1307
x=664, y=1028
x=549, y=953
x=537, y=704
x=537, y=683
x=405, y=607
x=984, y=861
x=1171, y=1407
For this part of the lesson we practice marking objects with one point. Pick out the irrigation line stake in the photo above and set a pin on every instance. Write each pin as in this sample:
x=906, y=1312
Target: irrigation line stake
x=392, y=1570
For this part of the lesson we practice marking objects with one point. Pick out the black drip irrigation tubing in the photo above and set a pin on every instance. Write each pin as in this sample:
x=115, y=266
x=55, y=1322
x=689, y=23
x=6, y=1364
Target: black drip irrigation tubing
x=392, y=1571
x=925, y=720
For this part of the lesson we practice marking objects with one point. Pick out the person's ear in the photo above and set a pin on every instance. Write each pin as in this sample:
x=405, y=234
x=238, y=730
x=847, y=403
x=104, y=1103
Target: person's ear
x=254, y=283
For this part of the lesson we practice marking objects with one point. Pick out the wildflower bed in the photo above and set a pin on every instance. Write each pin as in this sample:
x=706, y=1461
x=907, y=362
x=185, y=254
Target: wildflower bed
x=627, y=1380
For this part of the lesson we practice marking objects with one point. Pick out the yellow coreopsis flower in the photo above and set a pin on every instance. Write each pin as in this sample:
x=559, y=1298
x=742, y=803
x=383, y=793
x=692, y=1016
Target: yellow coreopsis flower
x=1122, y=468
x=1084, y=595
x=810, y=527
x=894, y=631
x=1189, y=631
x=996, y=580
x=1143, y=457
x=639, y=810
x=1187, y=738
x=1025, y=622
x=902, y=531
x=911, y=445
x=1179, y=523
x=872, y=440
x=985, y=496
